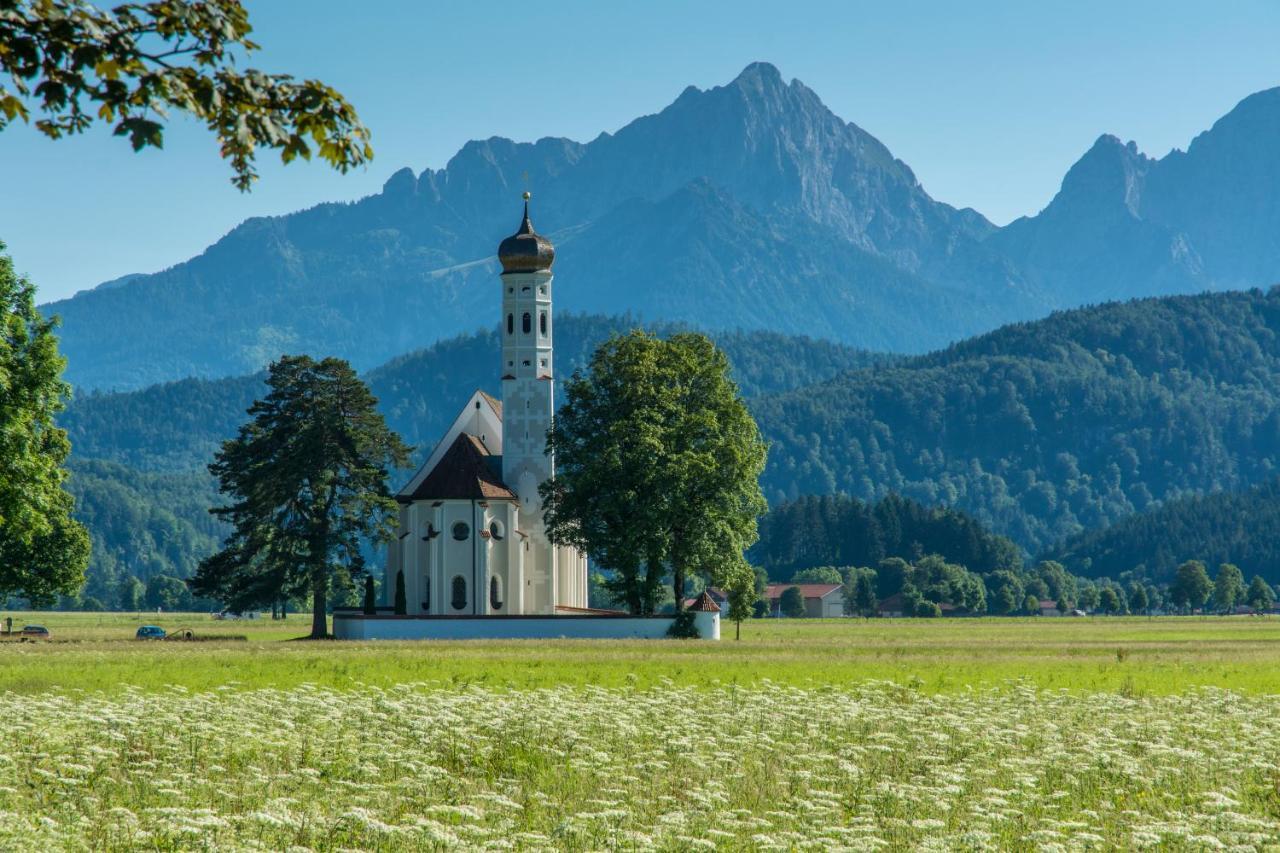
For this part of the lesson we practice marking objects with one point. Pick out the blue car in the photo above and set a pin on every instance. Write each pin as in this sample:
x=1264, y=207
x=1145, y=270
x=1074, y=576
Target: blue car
x=151, y=632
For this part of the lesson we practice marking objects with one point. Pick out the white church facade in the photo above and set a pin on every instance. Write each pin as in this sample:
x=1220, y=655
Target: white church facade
x=471, y=542
x=471, y=539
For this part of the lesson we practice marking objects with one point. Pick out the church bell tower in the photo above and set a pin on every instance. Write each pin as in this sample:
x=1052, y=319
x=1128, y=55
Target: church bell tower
x=528, y=398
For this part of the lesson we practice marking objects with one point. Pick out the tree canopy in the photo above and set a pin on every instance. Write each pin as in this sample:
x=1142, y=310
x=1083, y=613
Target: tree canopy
x=43, y=551
x=75, y=64
x=306, y=477
x=658, y=464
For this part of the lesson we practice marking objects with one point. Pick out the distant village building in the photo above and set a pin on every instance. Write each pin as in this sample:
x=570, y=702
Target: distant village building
x=821, y=600
x=471, y=539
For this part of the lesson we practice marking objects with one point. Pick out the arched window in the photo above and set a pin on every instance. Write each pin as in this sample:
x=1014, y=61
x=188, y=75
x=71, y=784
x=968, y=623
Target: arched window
x=527, y=324
x=459, y=600
x=461, y=531
x=542, y=322
x=511, y=324
x=495, y=594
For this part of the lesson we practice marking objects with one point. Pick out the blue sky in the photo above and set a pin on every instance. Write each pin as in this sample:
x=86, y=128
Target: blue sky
x=989, y=103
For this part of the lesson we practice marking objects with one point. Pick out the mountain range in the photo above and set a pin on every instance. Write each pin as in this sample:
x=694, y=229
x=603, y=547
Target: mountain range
x=746, y=206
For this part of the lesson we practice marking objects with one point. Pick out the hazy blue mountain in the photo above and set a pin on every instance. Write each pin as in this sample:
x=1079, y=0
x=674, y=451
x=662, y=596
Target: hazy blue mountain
x=1128, y=225
x=177, y=426
x=748, y=205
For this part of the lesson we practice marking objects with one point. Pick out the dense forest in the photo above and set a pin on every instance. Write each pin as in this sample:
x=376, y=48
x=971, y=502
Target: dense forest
x=836, y=530
x=1241, y=528
x=1042, y=430
x=139, y=457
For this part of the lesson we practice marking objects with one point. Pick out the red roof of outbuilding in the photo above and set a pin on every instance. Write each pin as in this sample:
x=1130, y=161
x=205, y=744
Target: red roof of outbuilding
x=808, y=590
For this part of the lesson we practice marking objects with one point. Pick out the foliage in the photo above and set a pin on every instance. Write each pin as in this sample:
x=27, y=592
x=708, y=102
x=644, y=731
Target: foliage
x=1040, y=430
x=658, y=465
x=684, y=626
x=818, y=574
x=860, y=592
x=791, y=603
x=739, y=584
x=1191, y=586
x=401, y=604
x=1225, y=527
x=130, y=65
x=1260, y=595
x=836, y=530
x=43, y=550
x=306, y=477
x=1228, y=587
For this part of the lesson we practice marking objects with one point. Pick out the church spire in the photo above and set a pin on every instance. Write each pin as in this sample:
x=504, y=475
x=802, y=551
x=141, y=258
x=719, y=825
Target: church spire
x=526, y=250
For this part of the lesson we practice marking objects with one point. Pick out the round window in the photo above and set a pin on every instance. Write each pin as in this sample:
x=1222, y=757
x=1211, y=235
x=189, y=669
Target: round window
x=495, y=530
x=461, y=531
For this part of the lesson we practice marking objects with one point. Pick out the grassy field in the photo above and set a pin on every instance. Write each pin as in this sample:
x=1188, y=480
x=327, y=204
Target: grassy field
x=1132, y=656
x=806, y=735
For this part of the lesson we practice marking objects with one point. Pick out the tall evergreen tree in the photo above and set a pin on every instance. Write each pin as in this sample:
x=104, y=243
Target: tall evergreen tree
x=43, y=552
x=306, y=477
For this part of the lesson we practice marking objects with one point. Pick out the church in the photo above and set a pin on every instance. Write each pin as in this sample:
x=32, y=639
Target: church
x=471, y=539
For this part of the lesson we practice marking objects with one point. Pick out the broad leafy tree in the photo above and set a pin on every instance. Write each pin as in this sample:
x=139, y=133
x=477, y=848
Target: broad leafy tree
x=1259, y=595
x=658, y=465
x=73, y=64
x=739, y=583
x=306, y=479
x=1228, y=587
x=791, y=603
x=1191, y=586
x=43, y=551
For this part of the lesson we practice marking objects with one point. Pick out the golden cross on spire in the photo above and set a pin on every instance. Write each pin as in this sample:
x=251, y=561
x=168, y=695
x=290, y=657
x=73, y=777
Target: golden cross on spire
x=525, y=177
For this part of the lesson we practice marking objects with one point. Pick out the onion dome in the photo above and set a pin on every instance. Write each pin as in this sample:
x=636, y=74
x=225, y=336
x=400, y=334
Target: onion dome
x=526, y=250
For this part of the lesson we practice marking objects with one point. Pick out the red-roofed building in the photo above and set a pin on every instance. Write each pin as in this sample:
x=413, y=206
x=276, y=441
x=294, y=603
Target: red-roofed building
x=821, y=600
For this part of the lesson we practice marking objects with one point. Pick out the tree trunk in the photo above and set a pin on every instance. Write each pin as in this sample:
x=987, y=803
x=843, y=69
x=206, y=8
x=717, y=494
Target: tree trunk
x=737, y=629
x=319, y=604
x=677, y=585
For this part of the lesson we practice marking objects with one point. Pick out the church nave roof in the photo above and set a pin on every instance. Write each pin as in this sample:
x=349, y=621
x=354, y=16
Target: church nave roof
x=466, y=471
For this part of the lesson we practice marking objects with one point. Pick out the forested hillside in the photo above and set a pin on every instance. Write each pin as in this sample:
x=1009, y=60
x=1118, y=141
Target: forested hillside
x=140, y=478
x=1043, y=429
x=1226, y=527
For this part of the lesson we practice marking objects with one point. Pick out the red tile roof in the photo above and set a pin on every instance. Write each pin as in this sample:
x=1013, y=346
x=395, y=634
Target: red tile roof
x=808, y=590
x=706, y=603
x=463, y=472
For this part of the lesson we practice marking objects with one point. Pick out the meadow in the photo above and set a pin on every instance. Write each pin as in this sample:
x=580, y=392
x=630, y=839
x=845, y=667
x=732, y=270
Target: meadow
x=923, y=734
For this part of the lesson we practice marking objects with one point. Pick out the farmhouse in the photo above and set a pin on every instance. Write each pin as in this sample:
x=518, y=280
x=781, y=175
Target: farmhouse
x=821, y=600
x=471, y=548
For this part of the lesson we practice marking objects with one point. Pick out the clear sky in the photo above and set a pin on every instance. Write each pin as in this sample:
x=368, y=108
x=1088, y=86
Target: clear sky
x=989, y=102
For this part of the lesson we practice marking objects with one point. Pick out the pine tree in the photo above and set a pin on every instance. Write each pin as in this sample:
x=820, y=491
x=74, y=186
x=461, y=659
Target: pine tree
x=370, y=602
x=306, y=477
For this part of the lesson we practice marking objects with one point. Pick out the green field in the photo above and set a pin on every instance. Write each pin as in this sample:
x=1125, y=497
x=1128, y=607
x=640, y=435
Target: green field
x=895, y=734
x=1134, y=656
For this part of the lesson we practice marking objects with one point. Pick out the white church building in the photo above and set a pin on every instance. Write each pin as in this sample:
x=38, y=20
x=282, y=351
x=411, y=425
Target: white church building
x=471, y=541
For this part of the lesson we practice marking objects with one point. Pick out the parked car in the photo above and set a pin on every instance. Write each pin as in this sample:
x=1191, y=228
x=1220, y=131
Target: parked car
x=35, y=632
x=151, y=632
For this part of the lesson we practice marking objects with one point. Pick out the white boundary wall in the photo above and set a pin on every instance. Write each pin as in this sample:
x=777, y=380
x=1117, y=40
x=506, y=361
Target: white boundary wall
x=355, y=626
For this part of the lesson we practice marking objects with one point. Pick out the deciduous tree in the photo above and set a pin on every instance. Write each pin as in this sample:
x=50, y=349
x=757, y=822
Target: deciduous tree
x=76, y=63
x=1191, y=586
x=1228, y=587
x=1259, y=595
x=306, y=477
x=792, y=603
x=658, y=465
x=43, y=551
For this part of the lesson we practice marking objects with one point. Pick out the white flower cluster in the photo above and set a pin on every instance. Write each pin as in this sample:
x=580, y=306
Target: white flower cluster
x=770, y=768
